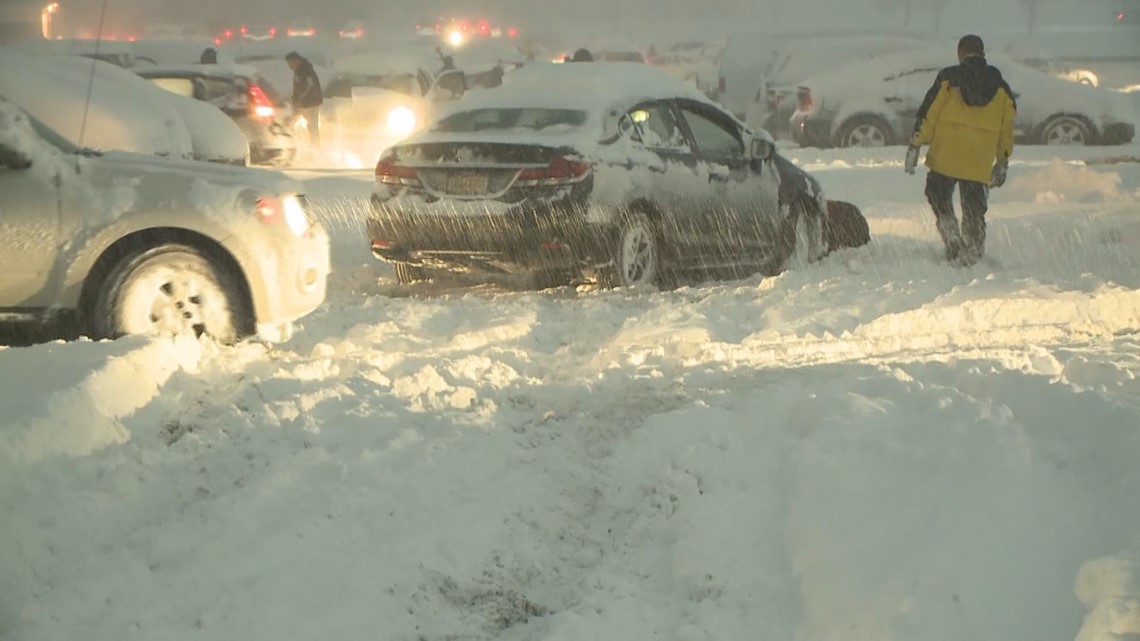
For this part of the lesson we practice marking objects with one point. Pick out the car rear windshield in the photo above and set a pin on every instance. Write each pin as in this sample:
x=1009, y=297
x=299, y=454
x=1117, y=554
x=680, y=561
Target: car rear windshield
x=341, y=85
x=528, y=118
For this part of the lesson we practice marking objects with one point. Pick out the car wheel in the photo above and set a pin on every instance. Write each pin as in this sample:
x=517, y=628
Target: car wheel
x=172, y=290
x=407, y=274
x=865, y=131
x=635, y=256
x=1065, y=130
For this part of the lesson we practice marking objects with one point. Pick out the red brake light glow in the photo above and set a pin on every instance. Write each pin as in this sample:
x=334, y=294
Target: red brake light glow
x=512, y=32
x=389, y=173
x=560, y=171
x=259, y=103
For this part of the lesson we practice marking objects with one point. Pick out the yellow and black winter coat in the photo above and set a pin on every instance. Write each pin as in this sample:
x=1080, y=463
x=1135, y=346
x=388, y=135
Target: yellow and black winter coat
x=967, y=119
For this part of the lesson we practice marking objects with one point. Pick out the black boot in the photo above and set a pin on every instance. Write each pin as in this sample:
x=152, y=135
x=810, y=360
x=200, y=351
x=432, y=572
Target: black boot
x=951, y=236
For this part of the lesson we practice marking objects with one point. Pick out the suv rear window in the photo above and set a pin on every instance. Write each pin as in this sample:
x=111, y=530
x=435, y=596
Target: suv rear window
x=529, y=118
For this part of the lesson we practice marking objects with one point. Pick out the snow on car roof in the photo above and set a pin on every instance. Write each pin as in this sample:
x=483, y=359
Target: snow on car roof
x=595, y=87
x=384, y=63
x=241, y=71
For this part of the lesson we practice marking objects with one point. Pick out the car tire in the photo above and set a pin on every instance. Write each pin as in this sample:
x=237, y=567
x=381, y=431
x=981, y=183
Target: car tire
x=865, y=131
x=846, y=226
x=172, y=289
x=1066, y=130
x=407, y=274
x=636, y=255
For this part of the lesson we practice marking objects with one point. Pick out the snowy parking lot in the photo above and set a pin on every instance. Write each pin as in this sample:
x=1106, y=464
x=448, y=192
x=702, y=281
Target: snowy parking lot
x=876, y=446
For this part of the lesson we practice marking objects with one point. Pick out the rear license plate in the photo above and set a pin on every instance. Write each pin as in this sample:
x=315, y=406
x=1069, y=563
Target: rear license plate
x=467, y=184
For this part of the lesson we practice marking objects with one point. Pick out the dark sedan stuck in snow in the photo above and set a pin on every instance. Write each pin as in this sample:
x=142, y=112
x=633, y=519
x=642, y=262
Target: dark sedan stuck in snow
x=617, y=174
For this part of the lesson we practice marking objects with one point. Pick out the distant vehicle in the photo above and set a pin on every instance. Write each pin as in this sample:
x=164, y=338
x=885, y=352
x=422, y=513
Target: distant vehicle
x=619, y=56
x=243, y=95
x=143, y=245
x=382, y=97
x=874, y=103
x=301, y=28
x=105, y=107
x=352, y=31
x=694, y=62
x=257, y=32
x=752, y=63
x=617, y=174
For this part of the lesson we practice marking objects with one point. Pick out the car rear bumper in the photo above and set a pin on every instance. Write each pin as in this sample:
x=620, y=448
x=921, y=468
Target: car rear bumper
x=1118, y=133
x=489, y=238
x=810, y=131
x=287, y=275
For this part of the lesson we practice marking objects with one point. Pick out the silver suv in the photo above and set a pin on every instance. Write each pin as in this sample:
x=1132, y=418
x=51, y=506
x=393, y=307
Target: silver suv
x=125, y=243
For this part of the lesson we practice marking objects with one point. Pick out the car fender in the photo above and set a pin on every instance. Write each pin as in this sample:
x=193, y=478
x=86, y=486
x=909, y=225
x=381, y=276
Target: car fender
x=78, y=263
x=863, y=107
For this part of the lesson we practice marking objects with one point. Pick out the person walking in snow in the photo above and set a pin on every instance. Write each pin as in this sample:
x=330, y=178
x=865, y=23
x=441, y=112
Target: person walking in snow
x=307, y=96
x=967, y=119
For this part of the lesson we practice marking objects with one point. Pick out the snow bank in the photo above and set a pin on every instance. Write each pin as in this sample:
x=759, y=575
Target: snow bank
x=77, y=410
x=1066, y=182
x=1109, y=588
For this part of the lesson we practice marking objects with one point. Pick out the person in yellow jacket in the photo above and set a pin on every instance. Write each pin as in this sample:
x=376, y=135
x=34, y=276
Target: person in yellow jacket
x=967, y=119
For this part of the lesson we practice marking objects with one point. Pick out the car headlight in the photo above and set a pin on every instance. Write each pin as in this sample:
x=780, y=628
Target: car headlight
x=290, y=209
x=401, y=121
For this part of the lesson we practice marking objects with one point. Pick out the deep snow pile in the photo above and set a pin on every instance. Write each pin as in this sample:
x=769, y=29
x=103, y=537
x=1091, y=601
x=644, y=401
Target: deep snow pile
x=873, y=447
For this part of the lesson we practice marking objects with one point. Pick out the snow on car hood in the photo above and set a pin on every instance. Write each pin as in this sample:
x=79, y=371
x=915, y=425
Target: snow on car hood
x=129, y=183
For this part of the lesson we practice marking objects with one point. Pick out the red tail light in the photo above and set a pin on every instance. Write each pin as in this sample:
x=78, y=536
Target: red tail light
x=229, y=33
x=389, y=173
x=244, y=30
x=273, y=31
x=512, y=32
x=805, y=101
x=560, y=171
x=260, y=104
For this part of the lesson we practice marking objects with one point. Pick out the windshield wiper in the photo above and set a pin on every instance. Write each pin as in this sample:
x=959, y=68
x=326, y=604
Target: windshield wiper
x=88, y=152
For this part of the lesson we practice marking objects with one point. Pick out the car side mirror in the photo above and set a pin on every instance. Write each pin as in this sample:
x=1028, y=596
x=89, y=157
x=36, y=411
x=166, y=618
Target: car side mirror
x=13, y=158
x=761, y=149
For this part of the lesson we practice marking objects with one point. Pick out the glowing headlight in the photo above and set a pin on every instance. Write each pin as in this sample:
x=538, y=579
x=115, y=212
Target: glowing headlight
x=401, y=121
x=455, y=38
x=295, y=217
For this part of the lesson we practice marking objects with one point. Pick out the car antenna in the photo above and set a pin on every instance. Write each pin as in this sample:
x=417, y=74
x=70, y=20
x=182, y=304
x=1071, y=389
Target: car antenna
x=91, y=79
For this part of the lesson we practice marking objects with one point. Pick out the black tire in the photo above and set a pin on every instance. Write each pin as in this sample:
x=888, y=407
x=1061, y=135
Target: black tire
x=846, y=226
x=1066, y=130
x=172, y=289
x=407, y=274
x=636, y=255
x=873, y=131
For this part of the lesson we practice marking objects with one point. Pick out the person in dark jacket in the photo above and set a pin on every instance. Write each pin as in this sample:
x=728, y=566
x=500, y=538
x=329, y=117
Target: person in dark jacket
x=967, y=119
x=209, y=57
x=307, y=96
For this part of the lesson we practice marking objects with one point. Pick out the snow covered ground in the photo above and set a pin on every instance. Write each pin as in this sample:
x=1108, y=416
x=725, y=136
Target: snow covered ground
x=874, y=447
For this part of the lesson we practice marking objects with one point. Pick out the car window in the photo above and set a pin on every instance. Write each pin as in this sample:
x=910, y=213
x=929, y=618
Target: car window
x=713, y=136
x=216, y=90
x=180, y=86
x=656, y=127
x=533, y=119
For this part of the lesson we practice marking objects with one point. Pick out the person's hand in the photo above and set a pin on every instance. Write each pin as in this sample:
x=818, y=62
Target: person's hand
x=911, y=159
x=997, y=176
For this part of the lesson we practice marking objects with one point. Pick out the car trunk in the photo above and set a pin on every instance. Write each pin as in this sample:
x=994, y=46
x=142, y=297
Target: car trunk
x=480, y=170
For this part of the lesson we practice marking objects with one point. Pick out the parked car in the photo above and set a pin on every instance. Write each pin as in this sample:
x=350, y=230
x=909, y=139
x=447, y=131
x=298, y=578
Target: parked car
x=257, y=32
x=874, y=104
x=378, y=98
x=796, y=60
x=352, y=30
x=241, y=93
x=695, y=62
x=617, y=173
x=143, y=245
x=102, y=106
x=754, y=61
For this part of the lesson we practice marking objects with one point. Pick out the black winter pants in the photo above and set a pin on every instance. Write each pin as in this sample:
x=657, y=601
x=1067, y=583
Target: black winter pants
x=974, y=197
